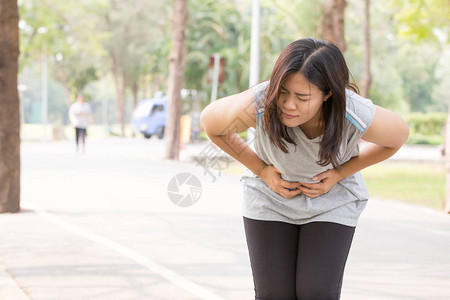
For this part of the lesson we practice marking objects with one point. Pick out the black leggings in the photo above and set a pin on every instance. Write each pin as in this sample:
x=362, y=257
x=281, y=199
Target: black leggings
x=80, y=135
x=297, y=261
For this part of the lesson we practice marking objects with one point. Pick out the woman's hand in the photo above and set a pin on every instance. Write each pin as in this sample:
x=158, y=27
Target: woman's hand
x=272, y=176
x=327, y=180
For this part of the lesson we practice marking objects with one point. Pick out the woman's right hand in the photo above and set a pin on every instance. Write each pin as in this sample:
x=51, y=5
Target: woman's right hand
x=272, y=177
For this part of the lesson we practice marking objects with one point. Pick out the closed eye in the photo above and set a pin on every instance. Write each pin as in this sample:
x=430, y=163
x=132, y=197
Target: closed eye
x=302, y=99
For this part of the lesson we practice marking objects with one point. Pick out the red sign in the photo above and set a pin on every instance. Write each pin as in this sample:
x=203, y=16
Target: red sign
x=211, y=69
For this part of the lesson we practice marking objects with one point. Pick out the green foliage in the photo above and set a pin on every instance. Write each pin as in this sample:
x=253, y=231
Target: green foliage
x=426, y=124
x=78, y=83
x=406, y=76
x=84, y=37
x=224, y=27
x=418, y=78
x=420, y=139
x=421, y=20
x=426, y=129
x=31, y=100
x=139, y=42
x=215, y=27
x=66, y=33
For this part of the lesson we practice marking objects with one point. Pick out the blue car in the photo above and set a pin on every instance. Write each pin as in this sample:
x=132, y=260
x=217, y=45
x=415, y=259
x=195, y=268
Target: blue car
x=150, y=117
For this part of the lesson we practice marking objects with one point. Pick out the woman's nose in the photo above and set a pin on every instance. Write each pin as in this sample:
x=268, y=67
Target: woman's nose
x=289, y=103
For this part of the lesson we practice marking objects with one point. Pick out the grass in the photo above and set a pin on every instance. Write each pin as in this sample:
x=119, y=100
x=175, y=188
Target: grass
x=415, y=183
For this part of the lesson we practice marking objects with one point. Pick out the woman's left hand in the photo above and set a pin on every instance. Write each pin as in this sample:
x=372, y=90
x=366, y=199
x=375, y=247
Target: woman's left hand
x=327, y=180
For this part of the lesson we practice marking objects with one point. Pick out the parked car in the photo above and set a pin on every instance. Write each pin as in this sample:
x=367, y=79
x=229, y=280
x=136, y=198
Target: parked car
x=150, y=117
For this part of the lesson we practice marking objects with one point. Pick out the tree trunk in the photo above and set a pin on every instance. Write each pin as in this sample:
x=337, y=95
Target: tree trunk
x=447, y=163
x=176, y=72
x=331, y=27
x=119, y=82
x=10, y=108
x=367, y=78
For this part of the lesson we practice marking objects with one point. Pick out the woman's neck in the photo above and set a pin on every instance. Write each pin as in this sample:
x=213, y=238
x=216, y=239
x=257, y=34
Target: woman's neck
x=314, y=127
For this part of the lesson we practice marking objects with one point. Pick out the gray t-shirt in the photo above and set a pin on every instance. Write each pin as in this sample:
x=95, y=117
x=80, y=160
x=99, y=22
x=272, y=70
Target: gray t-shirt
x=343, y=204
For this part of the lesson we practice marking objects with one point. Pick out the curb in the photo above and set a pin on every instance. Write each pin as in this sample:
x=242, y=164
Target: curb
x=9, y=289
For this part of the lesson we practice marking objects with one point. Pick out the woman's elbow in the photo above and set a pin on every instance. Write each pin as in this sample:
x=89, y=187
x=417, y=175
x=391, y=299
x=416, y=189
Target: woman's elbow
x=403, y=133
x=205, y=117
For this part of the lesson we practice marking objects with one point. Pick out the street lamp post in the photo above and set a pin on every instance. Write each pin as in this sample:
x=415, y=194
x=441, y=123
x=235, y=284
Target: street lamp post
x=254, y=46
x=254, y=57
x=44, y=93
x=44, y=88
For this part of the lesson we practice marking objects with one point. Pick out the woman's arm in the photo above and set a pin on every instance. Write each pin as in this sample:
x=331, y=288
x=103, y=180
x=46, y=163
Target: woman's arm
x=223, y=119
x=72, y=117
x=387, y=133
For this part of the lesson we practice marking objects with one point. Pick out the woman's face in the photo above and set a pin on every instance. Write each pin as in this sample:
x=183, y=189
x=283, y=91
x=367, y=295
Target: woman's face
x=300, y=102
x=80, y=98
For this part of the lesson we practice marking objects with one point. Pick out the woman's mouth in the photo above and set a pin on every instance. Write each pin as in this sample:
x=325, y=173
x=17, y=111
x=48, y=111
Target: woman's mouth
x=288, y=116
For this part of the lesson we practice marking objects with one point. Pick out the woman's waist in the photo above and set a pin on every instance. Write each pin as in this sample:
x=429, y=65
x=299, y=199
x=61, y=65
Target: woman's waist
x=353, y=183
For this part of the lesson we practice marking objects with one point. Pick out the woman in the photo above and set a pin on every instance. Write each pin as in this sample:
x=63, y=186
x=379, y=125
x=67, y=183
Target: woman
x=80, y=116
x=303, y=192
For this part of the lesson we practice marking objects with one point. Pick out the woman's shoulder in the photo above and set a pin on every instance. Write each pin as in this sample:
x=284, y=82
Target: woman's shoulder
x=259, y=93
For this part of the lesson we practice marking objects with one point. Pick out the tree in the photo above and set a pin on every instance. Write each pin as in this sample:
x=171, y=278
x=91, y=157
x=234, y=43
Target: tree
x=216, y=26
x=367, y=77
x=420, y=20
x=132, y=33
x=447, y=164
x=68, y=34
x=331, y=26
x=176, y=72
x=9, y=112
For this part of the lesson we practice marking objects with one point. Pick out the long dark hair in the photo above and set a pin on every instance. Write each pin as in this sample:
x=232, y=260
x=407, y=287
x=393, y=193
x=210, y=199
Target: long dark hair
x=322, y=64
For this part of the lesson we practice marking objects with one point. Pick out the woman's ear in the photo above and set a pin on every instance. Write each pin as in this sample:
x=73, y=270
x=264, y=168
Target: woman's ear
x=327, y=96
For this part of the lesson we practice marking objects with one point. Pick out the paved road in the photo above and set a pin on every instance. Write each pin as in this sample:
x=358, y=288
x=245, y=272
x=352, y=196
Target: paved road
x=102, y=226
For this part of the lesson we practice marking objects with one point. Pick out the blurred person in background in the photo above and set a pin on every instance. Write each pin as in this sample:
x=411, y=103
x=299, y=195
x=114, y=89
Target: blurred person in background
x=80, y=115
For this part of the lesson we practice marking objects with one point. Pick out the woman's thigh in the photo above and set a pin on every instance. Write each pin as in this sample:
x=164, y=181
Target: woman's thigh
x=323, y=249
x=272, y=248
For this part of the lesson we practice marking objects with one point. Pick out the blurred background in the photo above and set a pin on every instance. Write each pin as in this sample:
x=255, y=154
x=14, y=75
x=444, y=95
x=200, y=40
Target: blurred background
x=106, y=224
x=117, y=53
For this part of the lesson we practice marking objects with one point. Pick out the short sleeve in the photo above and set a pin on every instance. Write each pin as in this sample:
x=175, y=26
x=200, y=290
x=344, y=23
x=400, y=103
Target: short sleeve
x=360, y=113
x=72, y=109
x=259, y=92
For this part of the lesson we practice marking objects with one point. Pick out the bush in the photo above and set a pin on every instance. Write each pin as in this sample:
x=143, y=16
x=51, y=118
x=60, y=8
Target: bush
x=426, y=129
x=426, y=124
x=420, y=139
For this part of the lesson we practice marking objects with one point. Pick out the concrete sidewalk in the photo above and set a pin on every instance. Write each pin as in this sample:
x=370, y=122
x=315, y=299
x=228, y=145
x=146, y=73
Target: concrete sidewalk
x=9, y=288
x=399, y=252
